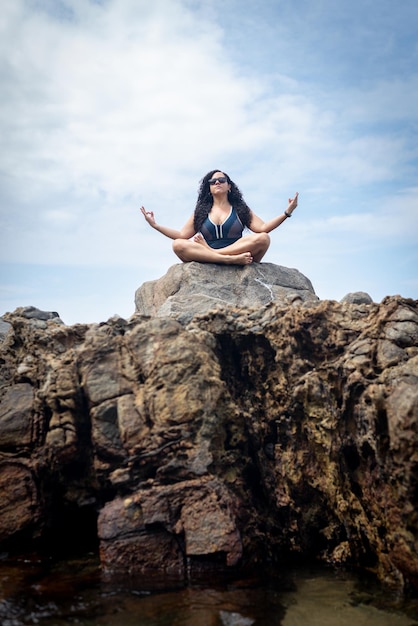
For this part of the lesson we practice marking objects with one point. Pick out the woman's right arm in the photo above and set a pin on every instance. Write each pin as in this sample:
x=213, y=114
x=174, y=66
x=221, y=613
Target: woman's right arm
x=186, y=232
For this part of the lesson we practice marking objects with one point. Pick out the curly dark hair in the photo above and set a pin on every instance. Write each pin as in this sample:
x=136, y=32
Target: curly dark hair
x=205, y=201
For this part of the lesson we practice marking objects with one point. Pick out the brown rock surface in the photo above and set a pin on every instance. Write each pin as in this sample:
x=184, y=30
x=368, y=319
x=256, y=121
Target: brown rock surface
x=234, y=438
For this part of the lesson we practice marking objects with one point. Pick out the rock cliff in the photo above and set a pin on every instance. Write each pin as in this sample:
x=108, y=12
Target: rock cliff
x=215, y=440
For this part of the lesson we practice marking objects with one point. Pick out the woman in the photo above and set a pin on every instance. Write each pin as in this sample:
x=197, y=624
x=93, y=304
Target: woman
x=213, y=234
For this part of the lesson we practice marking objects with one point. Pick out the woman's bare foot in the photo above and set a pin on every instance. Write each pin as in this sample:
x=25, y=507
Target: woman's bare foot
x=200, y=239
x=238, y=259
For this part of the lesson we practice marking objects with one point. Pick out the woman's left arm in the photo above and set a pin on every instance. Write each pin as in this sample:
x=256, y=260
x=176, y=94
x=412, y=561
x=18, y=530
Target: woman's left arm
x=258, y=226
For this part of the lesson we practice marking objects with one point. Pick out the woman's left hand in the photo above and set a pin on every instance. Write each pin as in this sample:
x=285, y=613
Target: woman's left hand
x=293, y=203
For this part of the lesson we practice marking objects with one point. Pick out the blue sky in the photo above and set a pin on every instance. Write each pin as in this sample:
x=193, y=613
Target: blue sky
x=108, y=105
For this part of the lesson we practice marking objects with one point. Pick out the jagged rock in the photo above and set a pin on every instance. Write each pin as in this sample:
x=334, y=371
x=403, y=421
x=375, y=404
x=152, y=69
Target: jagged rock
x=31, y=312
x=191, y=288
x=4, y=329
x=225, y=441
x=38, y=318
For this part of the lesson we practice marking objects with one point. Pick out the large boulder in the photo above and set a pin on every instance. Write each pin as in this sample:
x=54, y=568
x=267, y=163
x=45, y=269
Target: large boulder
x=190, y=288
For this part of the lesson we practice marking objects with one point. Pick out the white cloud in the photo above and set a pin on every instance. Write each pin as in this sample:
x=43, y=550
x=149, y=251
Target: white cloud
x=114, y=105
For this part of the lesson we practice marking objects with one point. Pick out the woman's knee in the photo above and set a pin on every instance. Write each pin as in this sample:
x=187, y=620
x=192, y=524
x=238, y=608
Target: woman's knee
x=263, y=240
x=181, y=247
x=178, y=245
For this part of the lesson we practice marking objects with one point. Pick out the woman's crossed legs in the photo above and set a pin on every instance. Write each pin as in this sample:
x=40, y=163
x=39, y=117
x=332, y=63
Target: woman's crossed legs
x=244, y=251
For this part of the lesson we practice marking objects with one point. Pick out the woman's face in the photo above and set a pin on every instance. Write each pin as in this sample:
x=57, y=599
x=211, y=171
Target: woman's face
x=219, y=183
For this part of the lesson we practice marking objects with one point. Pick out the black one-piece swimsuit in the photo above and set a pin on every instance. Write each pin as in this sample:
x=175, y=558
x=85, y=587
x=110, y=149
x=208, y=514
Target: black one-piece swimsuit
x=222, y=235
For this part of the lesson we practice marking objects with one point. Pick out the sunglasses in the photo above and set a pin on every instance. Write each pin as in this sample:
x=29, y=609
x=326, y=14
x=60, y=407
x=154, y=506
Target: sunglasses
x=221, y=179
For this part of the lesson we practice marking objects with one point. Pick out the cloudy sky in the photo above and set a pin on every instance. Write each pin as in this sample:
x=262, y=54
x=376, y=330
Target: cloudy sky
x=110, y=104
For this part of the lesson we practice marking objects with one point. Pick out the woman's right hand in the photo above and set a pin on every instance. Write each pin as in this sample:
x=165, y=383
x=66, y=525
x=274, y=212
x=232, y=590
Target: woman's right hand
x=149, y=216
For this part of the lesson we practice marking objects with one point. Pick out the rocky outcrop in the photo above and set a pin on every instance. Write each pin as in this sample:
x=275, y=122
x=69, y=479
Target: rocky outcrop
x=233, y=438
x=192, y=288
x=357, y=297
